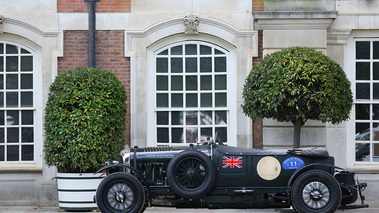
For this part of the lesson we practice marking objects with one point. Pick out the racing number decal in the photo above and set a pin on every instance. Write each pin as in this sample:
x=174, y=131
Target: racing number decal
x=293, y=163
x=268, y=168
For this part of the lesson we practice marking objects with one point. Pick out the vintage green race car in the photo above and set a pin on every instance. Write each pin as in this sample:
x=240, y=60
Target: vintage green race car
x=213, y=175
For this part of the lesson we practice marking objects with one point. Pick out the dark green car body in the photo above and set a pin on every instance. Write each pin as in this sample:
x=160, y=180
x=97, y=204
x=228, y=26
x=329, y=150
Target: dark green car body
x=218, y=176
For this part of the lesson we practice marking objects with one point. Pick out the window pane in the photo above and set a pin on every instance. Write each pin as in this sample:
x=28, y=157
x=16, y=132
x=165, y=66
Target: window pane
x=164, y=52
x=362, y=131
x=205, y=133
x=176, y=65
x=162, y=65
x=363, y=91
x=376, y=49
x=27, y=134
x=191, y=65
x=375, y=131
x=362, y=111
x=191, y=135
x=12, y=64
x=12, y=117
x=177, y=118
x=191, y=118
x=220, y=99
x=27, y=152
x=362, y=71
x=221, y=132
x=11, y=49
x=162, y=100
x=191, y=100
x=12, y=81
x=376, y=71
x=24, y=51
x=12, y=135
x=375, y=109
x=162, y=83
x=26, y=63
x=1, y=64
x=218, y=52
x=26, y=99
x=191, y=49
x=2, y=153
x=26, y=81
x=27, y=117
x=162, y=135
x=205, y=50
x=220, y=64
x=1, y=99
x=2, y=122
x=376, y=91
x=176, y=100
x=1, y=81
x=2, y=135
x=177, y=135
x=206, y=64
x=206, y=100
x=1, y=48
x=178, y=50
x=206, y=82
x=206, y=118
x=362, y=152
x=220, y=82
x=363, y=50
x=12, y=153
x=220, y=117
x=12, y=99
x=191, y=83
x=177, y=83
x=162, y=118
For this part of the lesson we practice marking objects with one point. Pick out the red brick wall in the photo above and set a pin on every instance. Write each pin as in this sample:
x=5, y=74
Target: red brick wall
x=258, y=124
x=104, y=6
x=258, y=5
x=109, y=56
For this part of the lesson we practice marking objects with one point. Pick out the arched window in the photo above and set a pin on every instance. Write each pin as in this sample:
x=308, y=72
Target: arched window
x=191, y=93
x=16, y=104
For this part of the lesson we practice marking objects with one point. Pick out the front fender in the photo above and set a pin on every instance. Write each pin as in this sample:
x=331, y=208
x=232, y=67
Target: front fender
x=134, y=171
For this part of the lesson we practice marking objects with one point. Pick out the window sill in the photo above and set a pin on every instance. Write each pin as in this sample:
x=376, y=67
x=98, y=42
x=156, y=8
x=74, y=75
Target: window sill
x=20, y=170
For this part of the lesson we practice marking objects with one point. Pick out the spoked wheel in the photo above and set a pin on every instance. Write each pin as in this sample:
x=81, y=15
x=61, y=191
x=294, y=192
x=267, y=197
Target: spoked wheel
x=120, y=192
x=191, y=174
x=316, y=191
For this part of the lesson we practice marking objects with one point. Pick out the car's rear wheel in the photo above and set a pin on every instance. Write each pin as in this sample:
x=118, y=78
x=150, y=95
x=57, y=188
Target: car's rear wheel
x=315, y=191
x=191, y=174
x=120, y=192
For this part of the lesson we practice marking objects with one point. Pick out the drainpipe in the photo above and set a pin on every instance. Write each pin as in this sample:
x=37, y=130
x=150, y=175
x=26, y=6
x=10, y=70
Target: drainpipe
x=91, y=32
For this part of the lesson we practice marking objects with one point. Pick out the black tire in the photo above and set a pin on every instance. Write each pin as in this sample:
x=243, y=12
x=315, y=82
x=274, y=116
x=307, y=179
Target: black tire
x=120, y=192
x=191, y=174
x=315, y=191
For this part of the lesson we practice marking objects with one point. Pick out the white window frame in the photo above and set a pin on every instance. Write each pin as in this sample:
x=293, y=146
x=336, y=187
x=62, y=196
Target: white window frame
x=35, y=50
x=350, y=69
x=231, y=87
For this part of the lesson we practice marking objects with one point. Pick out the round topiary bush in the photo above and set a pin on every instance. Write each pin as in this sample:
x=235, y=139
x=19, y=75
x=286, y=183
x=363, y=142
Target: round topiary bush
x=84, y=120
x=297, y=84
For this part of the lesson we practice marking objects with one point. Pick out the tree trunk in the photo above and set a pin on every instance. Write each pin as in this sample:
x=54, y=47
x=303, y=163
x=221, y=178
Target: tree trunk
x=296, y=133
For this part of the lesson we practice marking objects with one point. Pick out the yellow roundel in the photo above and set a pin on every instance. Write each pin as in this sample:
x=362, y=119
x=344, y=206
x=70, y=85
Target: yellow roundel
x=268, y=168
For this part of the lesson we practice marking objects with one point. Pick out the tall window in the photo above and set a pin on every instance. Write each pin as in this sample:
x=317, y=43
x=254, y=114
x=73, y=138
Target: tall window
x=367, y=100
x=16, y=104
x=191, y=102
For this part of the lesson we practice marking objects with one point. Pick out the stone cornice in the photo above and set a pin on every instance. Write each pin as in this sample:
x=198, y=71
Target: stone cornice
x=294, y=20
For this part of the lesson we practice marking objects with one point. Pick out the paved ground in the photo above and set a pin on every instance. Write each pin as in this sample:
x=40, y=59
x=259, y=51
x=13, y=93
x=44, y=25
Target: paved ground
x=47, y=209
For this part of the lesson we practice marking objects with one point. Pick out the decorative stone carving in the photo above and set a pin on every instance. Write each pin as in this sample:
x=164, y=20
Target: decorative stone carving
x=191, y=22
x=1, y=24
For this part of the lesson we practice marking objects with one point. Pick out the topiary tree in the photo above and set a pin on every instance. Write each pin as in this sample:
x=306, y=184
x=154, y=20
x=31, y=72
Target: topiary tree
x=84, y=120
x=297, y=84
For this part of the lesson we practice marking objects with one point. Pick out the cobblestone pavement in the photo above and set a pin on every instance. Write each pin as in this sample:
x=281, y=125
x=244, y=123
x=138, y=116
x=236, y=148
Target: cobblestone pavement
x=49, y=209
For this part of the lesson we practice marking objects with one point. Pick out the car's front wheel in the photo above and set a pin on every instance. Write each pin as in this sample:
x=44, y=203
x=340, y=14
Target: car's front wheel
x=120, y=192
x=315, y=191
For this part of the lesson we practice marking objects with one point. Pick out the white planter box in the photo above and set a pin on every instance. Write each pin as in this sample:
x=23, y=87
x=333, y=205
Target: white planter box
x=76, y=191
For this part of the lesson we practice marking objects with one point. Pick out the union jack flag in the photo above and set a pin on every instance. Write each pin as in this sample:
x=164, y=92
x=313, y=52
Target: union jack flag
x=232, y=162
